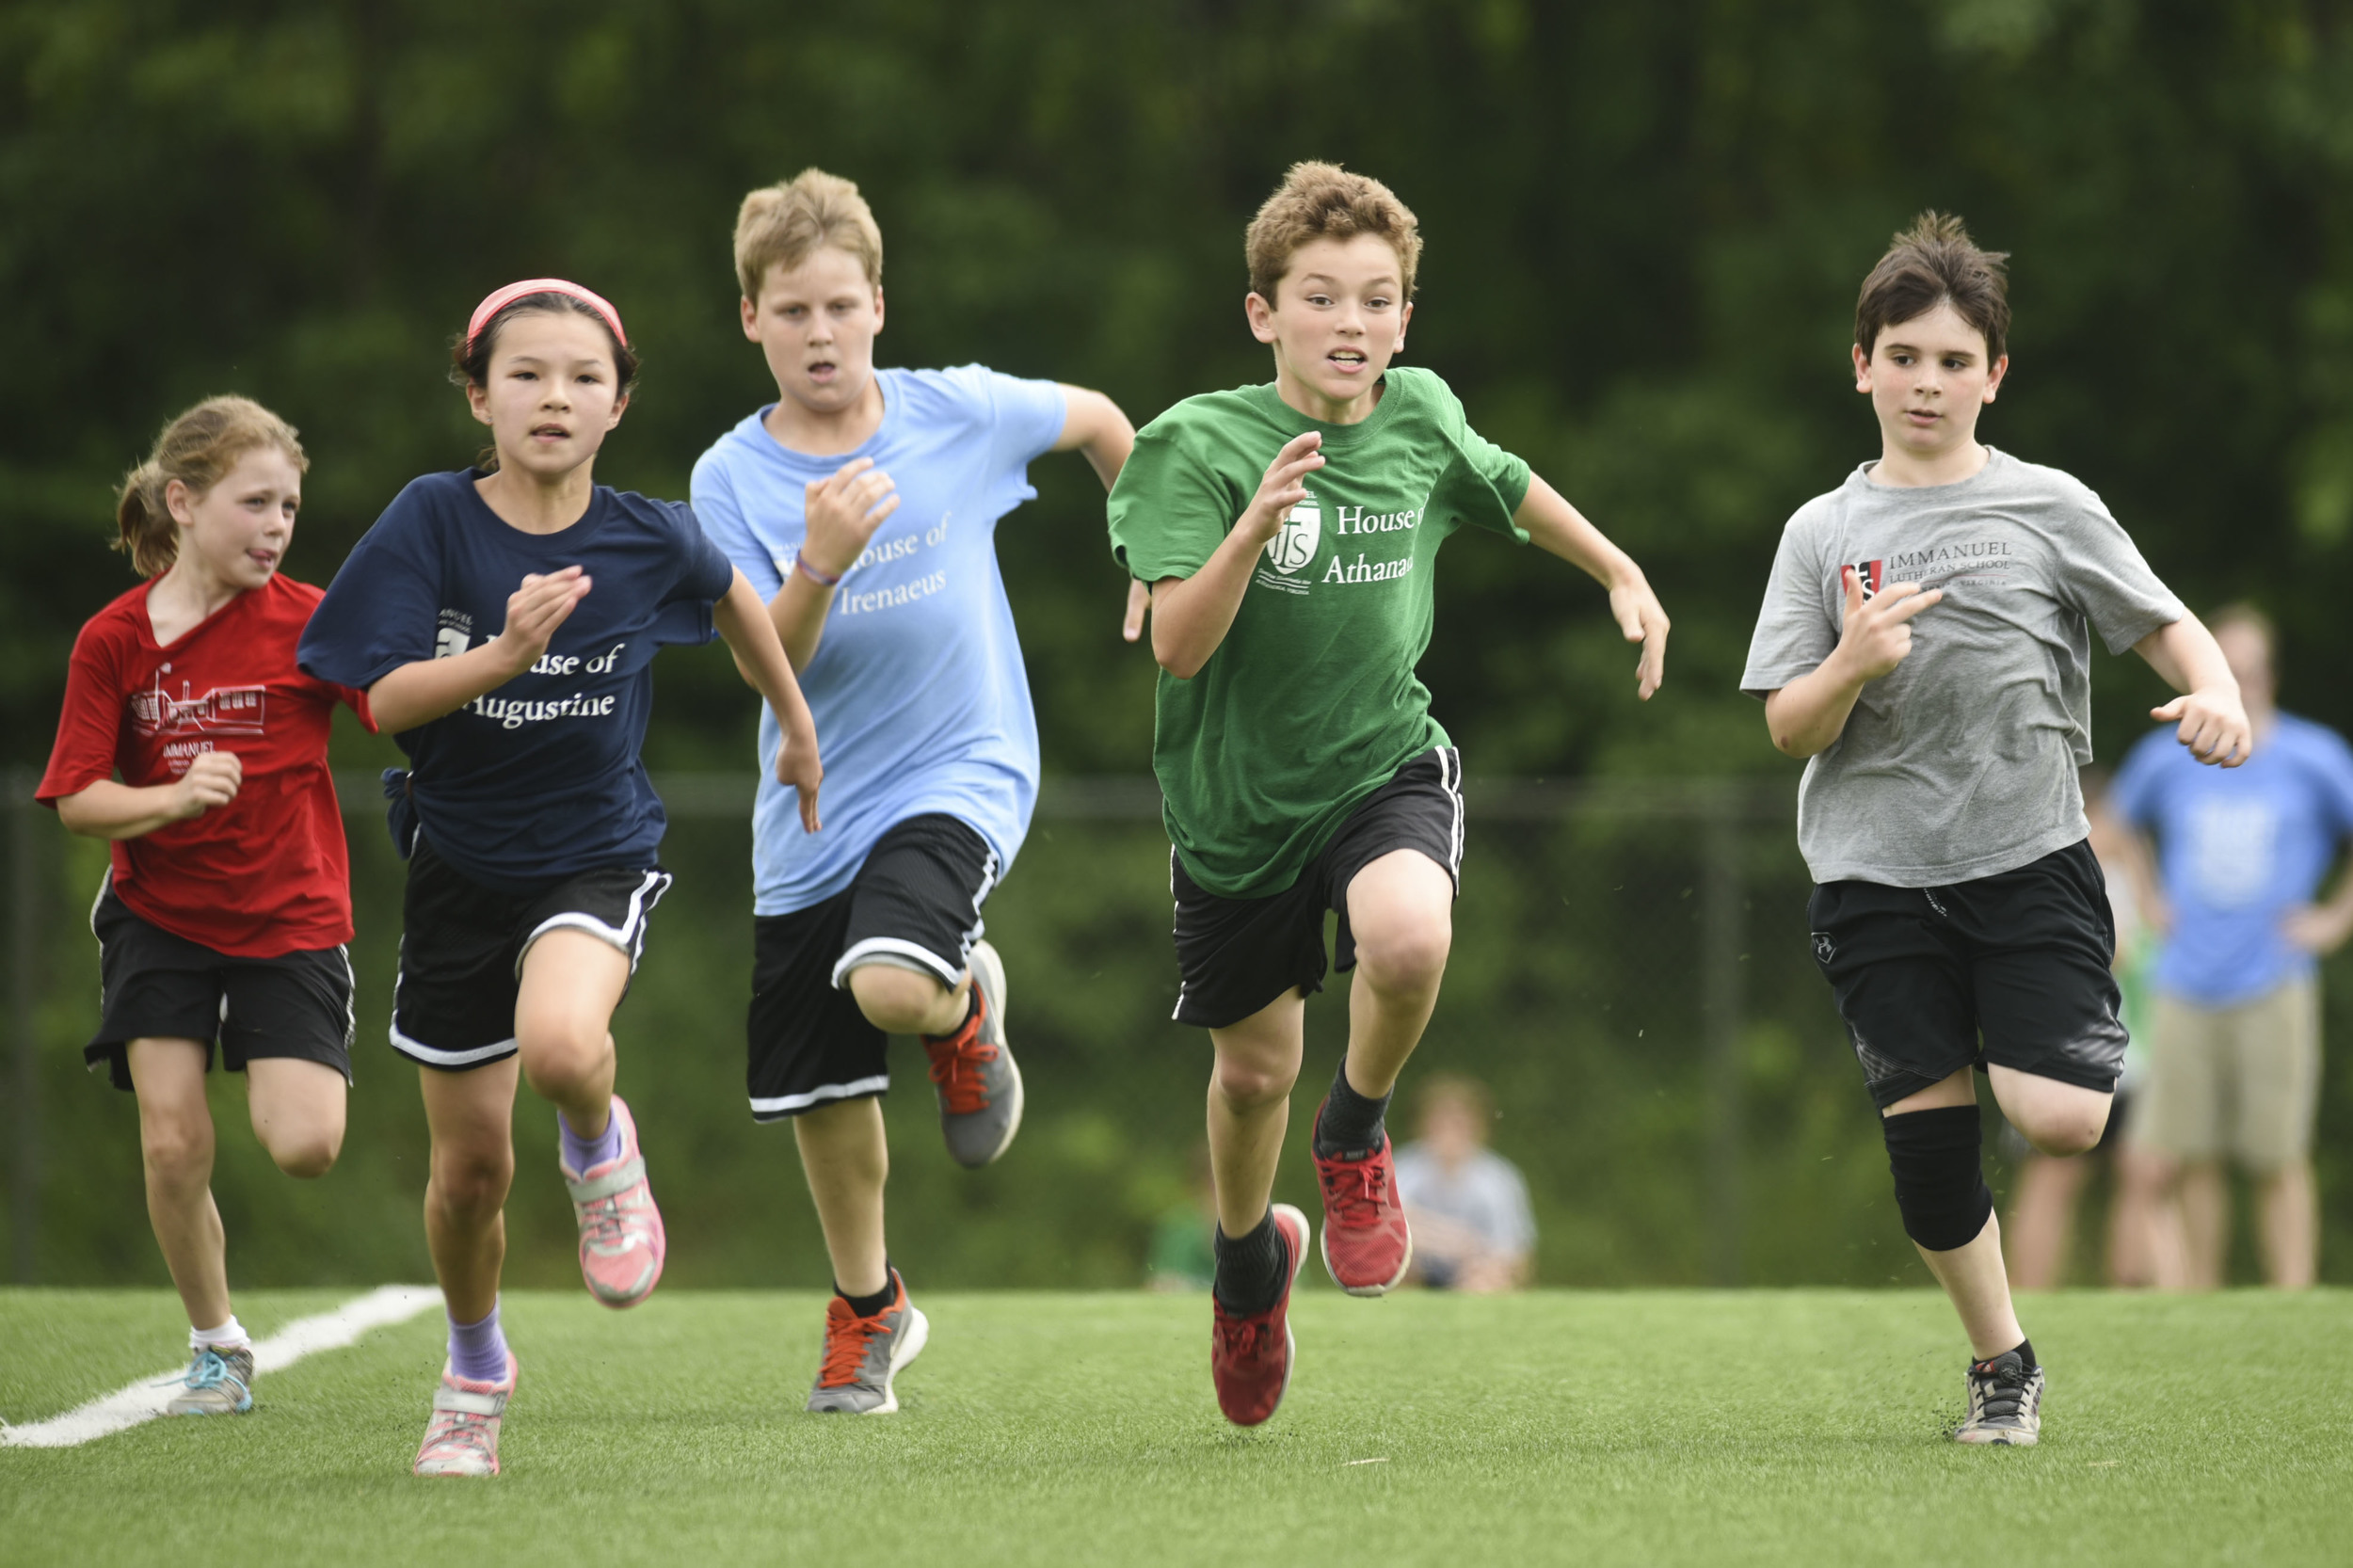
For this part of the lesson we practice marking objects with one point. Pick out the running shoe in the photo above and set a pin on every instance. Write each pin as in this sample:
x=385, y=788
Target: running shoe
x=1367, y=1244
x=979, y=1087
x=621, y=1240
x=1251, y=1358
x=864, y=1354
x=462, y=1439
x=218, y=1382
x=2005, y=1402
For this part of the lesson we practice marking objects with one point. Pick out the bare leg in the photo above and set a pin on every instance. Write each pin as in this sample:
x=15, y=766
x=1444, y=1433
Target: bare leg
x=2144, y=1227
x=176, y=1144
x=1250, y=1087
x=571, y=983
x=298, y=1112
x=1401, y=910
x=899, y=1002
x=471, y=1115
x=847, y=1161
x=2290, y=1211
x=2042, y=1219
x=2205, y=1201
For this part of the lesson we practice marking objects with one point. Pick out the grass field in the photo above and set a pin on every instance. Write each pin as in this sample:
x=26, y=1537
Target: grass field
x=1644, y=1428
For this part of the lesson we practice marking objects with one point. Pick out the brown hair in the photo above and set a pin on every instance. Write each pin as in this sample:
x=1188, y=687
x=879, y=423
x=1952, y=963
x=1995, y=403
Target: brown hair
x=784, y=224
x=198, y=449
x=2241, y=614
x=1936, y=263
x=1325, y=202
x=1454, y=1089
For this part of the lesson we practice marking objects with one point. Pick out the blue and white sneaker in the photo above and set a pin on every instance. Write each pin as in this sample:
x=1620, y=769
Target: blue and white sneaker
x=217, y=1383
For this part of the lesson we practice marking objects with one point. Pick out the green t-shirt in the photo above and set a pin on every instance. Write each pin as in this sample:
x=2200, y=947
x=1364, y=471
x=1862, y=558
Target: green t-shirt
x=1310, y=703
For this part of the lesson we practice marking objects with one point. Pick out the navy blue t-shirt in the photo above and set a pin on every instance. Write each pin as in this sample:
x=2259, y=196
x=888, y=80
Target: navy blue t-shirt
x=540, y=779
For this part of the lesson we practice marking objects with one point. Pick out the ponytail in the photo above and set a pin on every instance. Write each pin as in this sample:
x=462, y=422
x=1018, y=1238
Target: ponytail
x=198, y=449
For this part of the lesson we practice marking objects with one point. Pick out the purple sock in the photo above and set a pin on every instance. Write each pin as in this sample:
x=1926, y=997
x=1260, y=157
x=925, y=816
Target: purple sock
x=580, y=1154
x=477, y=1352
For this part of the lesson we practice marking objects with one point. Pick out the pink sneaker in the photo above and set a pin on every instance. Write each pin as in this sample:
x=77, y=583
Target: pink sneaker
x=462, y=1439
x=621, y=1241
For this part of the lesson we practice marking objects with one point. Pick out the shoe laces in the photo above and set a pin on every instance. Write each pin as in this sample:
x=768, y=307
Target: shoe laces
x=1999, y=1388
x=1354, y=1190
x=958, y=1061
x=605, y=1222
x=847, y=1335
x=459, y=1429
x=1238, y=1339
x=208, y=1370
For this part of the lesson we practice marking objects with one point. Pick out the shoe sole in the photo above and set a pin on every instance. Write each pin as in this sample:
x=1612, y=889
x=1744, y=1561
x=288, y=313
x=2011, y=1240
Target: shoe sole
x=1997, y=1439
x=984, y=953
x=910, y=1345
x=1405, y=1265
x=1290, y=1340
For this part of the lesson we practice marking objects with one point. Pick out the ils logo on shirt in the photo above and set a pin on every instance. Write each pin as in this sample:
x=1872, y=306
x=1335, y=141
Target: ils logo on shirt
x=1871, y=574
x=222, y=711
x=1294, y=544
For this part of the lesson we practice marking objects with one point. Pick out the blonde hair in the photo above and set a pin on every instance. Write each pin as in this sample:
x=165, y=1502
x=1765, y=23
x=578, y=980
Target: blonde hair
x=784, y=224
x=198, y=449
x=1325, y=201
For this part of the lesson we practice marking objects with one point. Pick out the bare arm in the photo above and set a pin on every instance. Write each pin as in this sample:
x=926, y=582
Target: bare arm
x=427, y=689
x=111, y=811
x=1559, y=529
x=1097, y=427
x=1190, y=616
x=2213, y=720
x=1809, y=714
x=751, y=637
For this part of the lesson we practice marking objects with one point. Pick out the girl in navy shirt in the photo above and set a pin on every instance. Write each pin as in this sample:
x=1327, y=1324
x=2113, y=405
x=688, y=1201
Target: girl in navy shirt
x=502, y=622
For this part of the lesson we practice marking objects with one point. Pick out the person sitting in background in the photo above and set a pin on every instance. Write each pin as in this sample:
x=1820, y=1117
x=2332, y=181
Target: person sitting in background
x=1467, y=1204
x=2144, y=1242
x=2234, y=1055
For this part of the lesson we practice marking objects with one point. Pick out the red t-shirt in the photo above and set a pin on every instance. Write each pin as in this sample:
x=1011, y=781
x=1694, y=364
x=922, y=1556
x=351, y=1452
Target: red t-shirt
x=266, y=873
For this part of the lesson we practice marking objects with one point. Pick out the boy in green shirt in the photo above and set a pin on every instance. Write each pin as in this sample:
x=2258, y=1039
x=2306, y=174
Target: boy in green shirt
x=1288, y=531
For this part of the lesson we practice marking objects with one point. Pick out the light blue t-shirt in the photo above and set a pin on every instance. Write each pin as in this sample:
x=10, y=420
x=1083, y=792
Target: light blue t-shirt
x=920, y=698
x=2237, y=849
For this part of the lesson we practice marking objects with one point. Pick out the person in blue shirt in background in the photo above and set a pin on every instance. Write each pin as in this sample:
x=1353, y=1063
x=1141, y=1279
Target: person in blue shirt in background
x=2235, y=1053
x=863, y=506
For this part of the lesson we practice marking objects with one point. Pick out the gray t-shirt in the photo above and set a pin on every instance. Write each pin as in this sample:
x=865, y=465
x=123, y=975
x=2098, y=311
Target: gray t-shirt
x=1960, y=763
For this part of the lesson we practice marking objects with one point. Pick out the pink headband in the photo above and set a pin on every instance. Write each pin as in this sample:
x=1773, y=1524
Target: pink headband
x=512, y=291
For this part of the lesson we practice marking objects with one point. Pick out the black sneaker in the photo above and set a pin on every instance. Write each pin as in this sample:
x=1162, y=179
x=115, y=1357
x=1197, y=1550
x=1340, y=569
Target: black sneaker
x=2005, y=1402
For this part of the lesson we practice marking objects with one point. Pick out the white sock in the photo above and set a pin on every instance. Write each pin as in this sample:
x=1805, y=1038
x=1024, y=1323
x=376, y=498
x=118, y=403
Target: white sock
x=228, y=1337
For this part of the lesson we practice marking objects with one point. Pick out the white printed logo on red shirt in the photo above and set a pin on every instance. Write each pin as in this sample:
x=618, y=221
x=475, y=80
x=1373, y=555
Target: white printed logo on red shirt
x=222, y=711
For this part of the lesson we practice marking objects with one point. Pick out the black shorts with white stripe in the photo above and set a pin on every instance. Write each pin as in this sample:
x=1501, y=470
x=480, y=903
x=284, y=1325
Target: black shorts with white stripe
x=462, y=947
x=155, y=986
x=1236, y=955
x=914, y=904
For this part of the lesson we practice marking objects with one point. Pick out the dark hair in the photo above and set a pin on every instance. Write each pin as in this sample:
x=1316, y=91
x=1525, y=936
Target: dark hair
x=470, y=360
x=1936, y=263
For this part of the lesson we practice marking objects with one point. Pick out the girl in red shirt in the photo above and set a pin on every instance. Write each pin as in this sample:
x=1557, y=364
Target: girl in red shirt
x=190, y=740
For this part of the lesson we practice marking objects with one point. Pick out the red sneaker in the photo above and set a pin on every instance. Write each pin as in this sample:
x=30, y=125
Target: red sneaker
x=1250, y=1358
x=1367, y=1244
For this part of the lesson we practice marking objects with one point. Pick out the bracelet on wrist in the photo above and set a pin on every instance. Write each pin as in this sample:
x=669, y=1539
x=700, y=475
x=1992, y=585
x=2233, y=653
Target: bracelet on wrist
x=800, y=564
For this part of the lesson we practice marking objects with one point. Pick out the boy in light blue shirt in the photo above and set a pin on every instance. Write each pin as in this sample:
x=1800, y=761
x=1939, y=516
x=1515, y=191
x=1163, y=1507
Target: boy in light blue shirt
x=2235, y=1050
x=863, y=506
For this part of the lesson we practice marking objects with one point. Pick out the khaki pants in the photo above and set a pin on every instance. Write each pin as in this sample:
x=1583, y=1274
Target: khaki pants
x=2240, y=1081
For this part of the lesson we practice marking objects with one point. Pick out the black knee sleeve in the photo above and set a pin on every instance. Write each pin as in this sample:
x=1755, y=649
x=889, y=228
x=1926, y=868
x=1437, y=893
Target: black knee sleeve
x=1939, y=1185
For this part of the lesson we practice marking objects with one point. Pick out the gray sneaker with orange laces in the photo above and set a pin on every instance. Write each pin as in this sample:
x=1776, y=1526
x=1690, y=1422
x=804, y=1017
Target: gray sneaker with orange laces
x=864, y=1354
x=979, y=1086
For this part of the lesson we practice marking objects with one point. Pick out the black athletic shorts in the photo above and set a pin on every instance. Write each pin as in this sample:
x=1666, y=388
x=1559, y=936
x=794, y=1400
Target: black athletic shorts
x=154, y=986
x=2010, y=970
x=462, y=947
x=915, y=904
x=1236, y=955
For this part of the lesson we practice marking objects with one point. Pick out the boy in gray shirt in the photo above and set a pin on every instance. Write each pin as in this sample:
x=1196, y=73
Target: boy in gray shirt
x=1925, y=642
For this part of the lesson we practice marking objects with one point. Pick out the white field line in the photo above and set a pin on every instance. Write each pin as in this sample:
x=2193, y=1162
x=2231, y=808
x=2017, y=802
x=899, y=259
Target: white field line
x=145, y=1401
